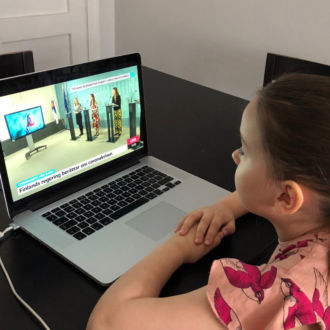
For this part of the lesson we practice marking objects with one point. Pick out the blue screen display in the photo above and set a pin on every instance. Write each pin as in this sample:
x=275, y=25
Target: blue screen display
x=24, y=122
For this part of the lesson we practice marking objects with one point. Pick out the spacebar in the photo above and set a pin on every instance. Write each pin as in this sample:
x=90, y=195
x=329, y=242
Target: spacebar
x=116, y=215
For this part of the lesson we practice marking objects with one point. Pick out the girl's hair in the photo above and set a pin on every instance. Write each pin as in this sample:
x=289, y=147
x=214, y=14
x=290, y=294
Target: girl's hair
x=294, y=117
x=116, y=91
x=93, y=99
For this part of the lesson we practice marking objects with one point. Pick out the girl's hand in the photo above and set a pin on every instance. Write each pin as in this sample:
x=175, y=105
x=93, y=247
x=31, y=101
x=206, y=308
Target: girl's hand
x=213, y=219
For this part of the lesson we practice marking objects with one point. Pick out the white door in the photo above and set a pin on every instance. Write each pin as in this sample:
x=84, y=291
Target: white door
x=55, y=30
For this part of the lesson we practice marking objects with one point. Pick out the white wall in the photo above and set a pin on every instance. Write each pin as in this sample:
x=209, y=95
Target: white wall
x=222, y=44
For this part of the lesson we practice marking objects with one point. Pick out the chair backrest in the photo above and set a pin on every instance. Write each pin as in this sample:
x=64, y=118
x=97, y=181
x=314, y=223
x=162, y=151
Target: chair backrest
x=277, y=65
x=14, y=64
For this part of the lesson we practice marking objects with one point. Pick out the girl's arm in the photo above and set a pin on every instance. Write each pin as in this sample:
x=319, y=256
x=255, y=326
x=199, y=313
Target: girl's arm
x=132, y=303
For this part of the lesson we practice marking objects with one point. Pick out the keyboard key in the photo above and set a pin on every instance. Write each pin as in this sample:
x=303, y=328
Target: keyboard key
x=122, y=203
x=107, y=211
x=99, y=216
x=165, y=180
x=46, y=214
x=80, y=211
x=73, y=230
x=105, y=221
x=104, y=206
x=77, y=205
x=79, y=236
x=177, y=182
x=51, y=217
x=68, y=209
x=83, y=225
x=91, y=220
x=60, y=221
x=96, y=210
x=129, y=200
x=88, y=207
x=166, y=189
x=119, y=198
x=68, y=224
x=170, y=185
x=80, y=218
x=71, y=215
x=116, y=215
x=151, y=196
x=88, y=231
x=114, y=207
x=96, y=226
x=158, y=191
x=88, y=214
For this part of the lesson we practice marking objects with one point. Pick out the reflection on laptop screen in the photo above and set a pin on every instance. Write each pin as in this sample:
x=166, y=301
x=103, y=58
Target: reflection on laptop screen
x=40, y=128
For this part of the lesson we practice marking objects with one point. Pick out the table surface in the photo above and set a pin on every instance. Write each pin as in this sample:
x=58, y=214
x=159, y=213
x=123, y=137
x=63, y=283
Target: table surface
x=189, y=126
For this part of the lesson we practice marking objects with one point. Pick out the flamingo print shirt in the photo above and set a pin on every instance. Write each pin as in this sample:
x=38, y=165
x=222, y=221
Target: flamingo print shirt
x=289, y=291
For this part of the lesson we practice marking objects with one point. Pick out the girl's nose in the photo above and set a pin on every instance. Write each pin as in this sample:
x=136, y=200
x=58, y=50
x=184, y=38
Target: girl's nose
x=236, y=157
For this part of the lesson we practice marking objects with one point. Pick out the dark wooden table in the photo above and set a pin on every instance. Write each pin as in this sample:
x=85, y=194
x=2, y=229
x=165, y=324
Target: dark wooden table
x=190, y=126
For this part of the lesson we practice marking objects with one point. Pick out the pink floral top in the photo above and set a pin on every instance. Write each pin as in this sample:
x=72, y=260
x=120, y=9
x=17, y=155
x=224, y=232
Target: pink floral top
x=290, y=291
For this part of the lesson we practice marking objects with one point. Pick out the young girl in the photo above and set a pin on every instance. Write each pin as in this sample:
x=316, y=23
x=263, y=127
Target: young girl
x=283, y=174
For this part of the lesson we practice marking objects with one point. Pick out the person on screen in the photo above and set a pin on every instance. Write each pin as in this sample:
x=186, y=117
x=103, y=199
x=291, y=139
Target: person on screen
x=282, y=175
x=29, y=123
x=95, y=114
x=116, y=101
x=77, y=111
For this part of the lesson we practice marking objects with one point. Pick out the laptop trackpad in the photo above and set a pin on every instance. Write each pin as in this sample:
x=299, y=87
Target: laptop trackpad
x=158, y=221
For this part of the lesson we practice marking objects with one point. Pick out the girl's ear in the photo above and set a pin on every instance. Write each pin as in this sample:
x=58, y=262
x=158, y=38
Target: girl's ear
x=290, y=198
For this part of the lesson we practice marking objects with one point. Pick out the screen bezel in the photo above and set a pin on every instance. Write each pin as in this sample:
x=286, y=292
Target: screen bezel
x=44, y=78
x=24, y=110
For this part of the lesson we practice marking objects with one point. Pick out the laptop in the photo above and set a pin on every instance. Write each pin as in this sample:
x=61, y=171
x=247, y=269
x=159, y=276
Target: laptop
x=75, y=169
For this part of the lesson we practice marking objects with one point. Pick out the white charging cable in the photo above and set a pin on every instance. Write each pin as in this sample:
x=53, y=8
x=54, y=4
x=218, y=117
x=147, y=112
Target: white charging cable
x=20, y=299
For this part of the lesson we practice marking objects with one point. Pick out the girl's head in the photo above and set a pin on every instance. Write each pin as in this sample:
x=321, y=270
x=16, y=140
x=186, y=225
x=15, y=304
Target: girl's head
x=288, y=126
x=115, y=91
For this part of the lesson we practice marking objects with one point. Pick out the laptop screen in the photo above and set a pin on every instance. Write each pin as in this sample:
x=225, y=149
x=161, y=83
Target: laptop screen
x=55, y=132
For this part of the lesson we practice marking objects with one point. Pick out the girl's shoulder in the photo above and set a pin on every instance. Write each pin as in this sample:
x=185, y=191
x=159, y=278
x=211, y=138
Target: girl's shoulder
x=262, y=297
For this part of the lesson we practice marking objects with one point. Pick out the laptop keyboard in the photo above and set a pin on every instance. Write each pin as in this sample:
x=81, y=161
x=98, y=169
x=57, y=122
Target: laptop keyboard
x=91, y=212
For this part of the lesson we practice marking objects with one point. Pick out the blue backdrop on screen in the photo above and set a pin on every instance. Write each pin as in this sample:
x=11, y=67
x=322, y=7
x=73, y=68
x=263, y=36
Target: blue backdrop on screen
x=128, y=90
x=24, y=122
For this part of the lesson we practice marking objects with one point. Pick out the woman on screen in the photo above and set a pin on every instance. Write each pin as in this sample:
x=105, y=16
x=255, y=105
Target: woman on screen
x=116, y=102
x=77, y=111
x=29, y=123
x=95, y=114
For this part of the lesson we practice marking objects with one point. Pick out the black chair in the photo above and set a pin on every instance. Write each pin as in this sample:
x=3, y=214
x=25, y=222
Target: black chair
x=14, y=64
x=277, y=65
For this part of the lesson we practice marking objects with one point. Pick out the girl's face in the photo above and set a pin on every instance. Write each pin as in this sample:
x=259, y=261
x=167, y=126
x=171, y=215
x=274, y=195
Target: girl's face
x=113, y=92
x=254, y=186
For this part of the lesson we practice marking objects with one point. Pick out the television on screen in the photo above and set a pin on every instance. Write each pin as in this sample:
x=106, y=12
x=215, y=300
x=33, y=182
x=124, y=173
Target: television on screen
x=24, y=122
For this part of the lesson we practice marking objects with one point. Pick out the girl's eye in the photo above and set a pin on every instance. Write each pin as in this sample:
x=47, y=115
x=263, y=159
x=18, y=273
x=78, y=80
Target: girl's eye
x=240, y=151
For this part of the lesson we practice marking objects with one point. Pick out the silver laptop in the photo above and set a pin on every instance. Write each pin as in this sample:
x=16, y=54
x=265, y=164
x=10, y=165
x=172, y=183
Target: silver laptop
x=96, y=198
